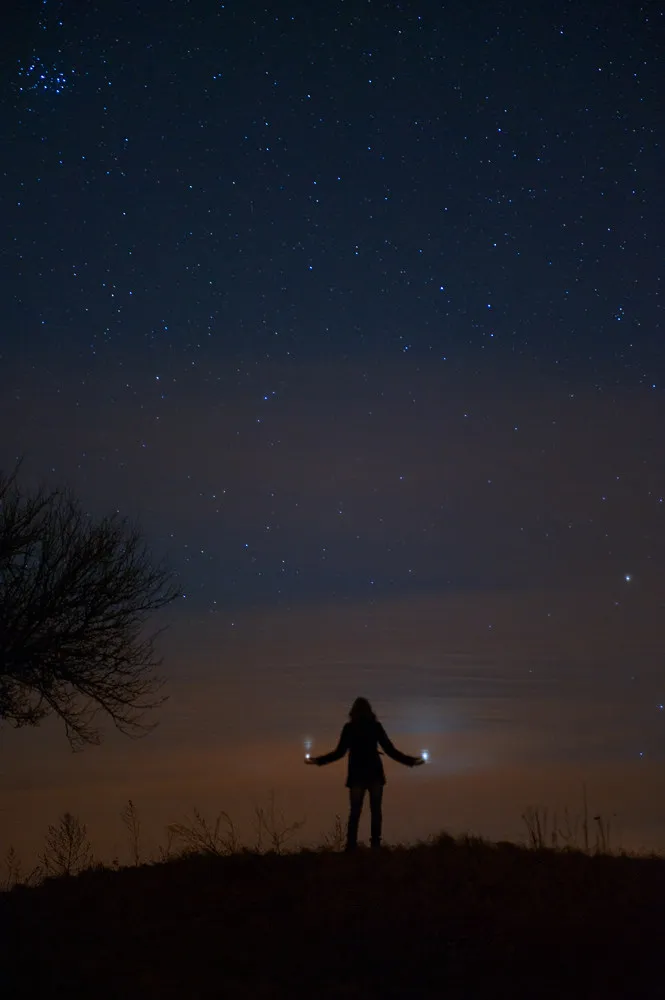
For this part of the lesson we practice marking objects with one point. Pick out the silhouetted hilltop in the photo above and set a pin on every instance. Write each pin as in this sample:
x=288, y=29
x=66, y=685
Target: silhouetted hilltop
x=454, y=918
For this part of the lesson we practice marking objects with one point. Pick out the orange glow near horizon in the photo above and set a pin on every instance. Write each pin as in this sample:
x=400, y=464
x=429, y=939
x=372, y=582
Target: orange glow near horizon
x=505, y=726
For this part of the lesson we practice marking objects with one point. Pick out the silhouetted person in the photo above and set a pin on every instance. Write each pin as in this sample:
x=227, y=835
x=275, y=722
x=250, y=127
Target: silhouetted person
x=361, y=738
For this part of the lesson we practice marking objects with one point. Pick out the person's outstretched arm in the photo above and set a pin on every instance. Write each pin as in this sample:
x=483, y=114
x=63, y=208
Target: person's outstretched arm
x=338, y=752
x=393, y=752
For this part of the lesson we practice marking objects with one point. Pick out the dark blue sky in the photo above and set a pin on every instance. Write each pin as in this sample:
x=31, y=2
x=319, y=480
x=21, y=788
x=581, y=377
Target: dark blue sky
x=352, y=302
x=337, y=218
x=201, y=182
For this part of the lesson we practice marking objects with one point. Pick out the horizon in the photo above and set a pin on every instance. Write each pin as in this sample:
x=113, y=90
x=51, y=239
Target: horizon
x=499, y=742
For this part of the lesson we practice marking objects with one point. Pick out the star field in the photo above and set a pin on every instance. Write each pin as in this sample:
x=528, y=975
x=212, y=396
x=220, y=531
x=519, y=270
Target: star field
x=353, y=303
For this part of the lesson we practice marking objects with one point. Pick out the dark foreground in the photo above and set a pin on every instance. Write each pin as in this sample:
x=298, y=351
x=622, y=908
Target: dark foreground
x=456, y=919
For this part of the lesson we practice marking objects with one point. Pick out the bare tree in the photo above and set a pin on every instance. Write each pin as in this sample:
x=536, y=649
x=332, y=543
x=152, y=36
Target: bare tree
x=166, y=852
x=130, y=817
x=14, y=874
x=199, y=837
x=271, y=824
x=75, y=594
x=334, y=839
x=67, y=850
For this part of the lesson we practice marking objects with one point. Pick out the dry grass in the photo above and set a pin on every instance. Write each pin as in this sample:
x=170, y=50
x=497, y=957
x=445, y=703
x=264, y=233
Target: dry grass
x=453, y=917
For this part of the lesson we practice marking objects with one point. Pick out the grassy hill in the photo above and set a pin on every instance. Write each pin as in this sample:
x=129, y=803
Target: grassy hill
x=448, y=919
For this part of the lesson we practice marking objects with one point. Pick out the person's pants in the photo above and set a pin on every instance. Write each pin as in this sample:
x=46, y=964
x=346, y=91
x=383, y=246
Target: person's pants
x=356, y=799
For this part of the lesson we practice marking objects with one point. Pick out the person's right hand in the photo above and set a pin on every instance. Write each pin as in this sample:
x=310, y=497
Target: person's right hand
x=418, y=761
x=310, y=760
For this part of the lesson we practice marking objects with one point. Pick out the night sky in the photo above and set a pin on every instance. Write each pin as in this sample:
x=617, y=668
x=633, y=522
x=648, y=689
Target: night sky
x=357, y=307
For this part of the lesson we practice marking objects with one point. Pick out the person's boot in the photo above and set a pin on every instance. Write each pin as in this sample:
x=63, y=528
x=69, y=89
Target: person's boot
x=376, y=845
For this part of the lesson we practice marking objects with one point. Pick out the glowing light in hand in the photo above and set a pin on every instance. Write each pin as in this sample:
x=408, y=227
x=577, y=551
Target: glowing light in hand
x=425, y=755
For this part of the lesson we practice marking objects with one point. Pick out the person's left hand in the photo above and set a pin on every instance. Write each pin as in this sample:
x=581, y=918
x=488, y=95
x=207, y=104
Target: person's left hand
x=310, y=760
x=418, y=761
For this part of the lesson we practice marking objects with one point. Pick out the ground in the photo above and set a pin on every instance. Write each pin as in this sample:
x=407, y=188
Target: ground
x=452, y=919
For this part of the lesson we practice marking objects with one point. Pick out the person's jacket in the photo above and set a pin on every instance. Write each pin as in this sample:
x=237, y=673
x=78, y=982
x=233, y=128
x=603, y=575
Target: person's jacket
x=361, y=740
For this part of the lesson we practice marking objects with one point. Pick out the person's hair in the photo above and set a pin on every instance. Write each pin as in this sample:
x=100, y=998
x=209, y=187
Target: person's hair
x=361, y=710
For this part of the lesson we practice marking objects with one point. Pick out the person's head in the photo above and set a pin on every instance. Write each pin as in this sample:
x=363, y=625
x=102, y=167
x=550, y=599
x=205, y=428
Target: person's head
x=361, y=711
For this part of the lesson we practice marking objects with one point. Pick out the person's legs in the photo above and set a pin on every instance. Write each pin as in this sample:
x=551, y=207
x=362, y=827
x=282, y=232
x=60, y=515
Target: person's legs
x=375, y=802
x=356, y=798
